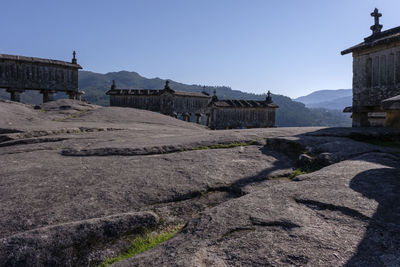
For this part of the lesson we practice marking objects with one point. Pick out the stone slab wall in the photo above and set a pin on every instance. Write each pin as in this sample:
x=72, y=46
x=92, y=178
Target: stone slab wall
x=37, y=76
x=231, y=118
x=151, y=103
x=165, y=103
x=376, y=75
x=183, y=104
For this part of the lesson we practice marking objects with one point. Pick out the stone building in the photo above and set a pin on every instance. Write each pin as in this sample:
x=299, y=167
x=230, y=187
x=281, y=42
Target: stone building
x=198, y=107
x=376, y=77
x=241, y=114
x=19, y=73
x=166, y=101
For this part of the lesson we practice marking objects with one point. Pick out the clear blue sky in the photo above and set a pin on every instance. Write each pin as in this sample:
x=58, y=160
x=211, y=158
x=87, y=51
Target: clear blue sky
x=291, y=47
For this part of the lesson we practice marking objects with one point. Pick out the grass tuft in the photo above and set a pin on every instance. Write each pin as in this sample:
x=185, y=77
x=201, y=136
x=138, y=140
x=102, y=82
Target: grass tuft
x=295, y=173
x=144, y=242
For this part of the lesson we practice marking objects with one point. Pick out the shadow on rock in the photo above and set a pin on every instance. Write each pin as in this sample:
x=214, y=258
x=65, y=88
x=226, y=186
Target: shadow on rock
x=381, y=243
x=281, y=167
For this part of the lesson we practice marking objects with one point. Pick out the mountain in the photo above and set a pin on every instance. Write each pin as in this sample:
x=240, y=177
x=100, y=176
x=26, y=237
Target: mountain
x=328, y=99
x=335, y=104
x=290, y=113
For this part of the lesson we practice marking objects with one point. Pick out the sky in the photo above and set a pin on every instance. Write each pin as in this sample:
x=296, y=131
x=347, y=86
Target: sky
x=291, y=47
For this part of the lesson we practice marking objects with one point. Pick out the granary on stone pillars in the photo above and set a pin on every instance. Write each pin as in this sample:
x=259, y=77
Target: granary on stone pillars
x=376, y=78
x=20, y=73
x=167, y=101
x=241, y=114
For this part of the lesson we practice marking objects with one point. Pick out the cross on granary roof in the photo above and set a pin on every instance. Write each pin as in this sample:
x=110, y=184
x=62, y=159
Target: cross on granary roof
x=376, y=28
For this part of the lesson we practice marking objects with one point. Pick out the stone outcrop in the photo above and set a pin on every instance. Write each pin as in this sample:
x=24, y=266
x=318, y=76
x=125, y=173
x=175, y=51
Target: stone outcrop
x=78, y=181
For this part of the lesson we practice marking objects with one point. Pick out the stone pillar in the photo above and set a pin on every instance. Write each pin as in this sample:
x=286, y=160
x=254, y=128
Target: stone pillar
x=79, y=95
x=186, y=116
x=48, y=95
x=208, y=119
x=71, y=95
x=198, y=118
x=360, y=119
x=15, y=94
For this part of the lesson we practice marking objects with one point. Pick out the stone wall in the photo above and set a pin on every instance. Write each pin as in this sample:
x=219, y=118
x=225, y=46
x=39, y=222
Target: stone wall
x=376, y=75
x=37, y=76
x=165, y=103
x=230, y=118
x=151, y=103
x=183, y=104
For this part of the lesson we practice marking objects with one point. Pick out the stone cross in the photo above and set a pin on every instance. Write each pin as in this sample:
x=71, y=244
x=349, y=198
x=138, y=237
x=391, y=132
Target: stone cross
x=74, y=61
x=376, y=28
x=268, y=98
x=166, y=85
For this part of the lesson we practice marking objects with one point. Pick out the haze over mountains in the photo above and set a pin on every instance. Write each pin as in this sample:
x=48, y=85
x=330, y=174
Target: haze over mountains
x=290, y=113
x=328, y=99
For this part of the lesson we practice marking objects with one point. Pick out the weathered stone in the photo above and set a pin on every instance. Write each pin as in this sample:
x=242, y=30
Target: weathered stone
x=239, y=202
x=221, y=114
x=344, y=214
x=375, y=77
x=67, y=244
x=241, y=114
x=29, y=73
x=165, y=101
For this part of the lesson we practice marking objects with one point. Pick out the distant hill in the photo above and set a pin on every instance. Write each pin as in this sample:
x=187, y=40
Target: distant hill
x=328, y=99
x=290, y=113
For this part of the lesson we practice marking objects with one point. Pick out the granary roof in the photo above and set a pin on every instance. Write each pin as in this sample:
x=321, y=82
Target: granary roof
x=377, y=37
x=392, y=103
x=243, y=104
x=192, y=94
x=147, y=92
x=384, y=37
x=39, y=60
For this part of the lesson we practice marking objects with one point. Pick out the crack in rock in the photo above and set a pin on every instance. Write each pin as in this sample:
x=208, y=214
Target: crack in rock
x=316, y=205
x=285, y=224
x=142, y=151
x=32, y=141
x=9, y=131
x=69, y=244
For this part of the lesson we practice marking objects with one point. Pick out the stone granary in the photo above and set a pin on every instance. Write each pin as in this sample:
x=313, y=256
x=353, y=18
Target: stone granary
x=201, y=107
x=19, y=73
x=376, y=78
x=166, y=101
x=240, y=114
